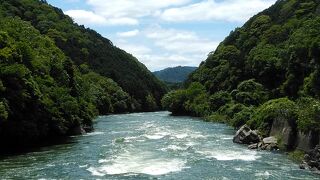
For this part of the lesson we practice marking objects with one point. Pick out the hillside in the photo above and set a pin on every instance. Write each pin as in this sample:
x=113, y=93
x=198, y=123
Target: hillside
x=86, y=47
x=265, y=71
x=175, y=74
x=56, y=76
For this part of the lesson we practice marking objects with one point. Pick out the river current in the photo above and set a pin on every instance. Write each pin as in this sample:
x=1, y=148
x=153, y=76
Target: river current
x=152, y=146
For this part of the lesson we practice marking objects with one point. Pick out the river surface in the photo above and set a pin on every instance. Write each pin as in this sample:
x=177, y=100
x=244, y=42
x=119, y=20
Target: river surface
x=152, y=146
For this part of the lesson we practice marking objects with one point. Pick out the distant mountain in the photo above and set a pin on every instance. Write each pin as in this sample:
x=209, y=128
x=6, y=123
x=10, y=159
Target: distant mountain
x=175, y=74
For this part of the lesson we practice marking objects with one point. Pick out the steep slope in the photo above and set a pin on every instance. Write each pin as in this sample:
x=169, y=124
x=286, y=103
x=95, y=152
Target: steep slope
x=54, y=76
x=279, y=48
x=85, y=46
x=43, y=95
x=175, y=74
x=267, y=70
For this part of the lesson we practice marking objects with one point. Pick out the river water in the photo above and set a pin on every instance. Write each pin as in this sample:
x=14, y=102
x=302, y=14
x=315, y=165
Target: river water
x=152, y=146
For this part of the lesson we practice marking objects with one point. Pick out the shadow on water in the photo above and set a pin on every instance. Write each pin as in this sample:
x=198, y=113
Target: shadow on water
x=42, y=147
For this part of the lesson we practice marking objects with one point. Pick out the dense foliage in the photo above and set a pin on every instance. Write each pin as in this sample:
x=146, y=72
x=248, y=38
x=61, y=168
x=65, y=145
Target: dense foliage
x=85, y=46
x=267, y=69
x=175, y=75
x=56, y=76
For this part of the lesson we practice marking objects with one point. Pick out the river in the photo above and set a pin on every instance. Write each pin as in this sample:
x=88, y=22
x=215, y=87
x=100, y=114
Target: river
x=151, y=146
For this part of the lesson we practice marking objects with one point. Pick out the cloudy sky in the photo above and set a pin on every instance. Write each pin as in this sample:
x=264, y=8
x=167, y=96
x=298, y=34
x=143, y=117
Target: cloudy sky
x=163, y=33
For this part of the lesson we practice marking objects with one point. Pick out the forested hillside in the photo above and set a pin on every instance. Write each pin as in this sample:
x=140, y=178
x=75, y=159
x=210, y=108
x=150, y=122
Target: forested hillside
x=86, y=47
x=56, y=76
x=175, y=74
x=267, y=69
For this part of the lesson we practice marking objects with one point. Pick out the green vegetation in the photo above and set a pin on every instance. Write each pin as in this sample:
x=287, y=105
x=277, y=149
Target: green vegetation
x=85, y=46
x=175, y=75
x=56, y=76
x=266, y=70
x=296, y=156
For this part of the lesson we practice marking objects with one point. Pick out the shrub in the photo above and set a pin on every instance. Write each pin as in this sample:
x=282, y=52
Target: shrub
x=219, y=99
x=308, y=114
x=250, y=93
x=216, y=117
x=3, y=112
x=296, y=155
x=277, y=108
x=242, y=117
x=174, y=102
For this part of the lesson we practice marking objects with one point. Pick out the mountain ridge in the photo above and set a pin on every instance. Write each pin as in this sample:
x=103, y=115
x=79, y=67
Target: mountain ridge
x=176, y=74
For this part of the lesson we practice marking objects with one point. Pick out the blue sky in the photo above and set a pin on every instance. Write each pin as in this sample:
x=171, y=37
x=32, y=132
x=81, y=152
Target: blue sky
x=163, y=33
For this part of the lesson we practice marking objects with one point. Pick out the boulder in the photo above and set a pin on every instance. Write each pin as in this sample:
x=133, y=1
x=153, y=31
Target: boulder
x=253, y=146
x=270, y=140
x=246, y=136
x=303, y=166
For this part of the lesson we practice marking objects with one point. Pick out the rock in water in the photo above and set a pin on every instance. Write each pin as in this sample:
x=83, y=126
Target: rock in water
x=253, y=146
x=120, y=140
x=246, y=136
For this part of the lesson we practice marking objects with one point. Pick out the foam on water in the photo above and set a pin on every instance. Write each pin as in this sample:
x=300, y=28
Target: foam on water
x=263, y=174
x=228, y=155
x=155, y=136
x=181, y=136
x=93, y=133
x=138, y=164
x=175, y=148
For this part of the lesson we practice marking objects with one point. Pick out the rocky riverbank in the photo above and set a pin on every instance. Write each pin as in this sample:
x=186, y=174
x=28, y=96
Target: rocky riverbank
x=250, y=137
x=311, y=160
x=254, y=141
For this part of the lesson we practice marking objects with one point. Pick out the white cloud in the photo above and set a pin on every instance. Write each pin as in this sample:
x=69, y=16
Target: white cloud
x=180, y=42
x=129, y=12
x=90, y=18
x=131, y=8
x=227, y=10
x=120, y=12
x=168, y=48
x=128, y=33
x=160, y=61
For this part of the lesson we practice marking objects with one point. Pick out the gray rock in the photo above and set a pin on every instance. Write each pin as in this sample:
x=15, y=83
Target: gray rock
x=246, y=136
x=313, y=164
x=307, y=157
x=253, y=146
x=286, y=131
x=303, y=166
x=270, y=140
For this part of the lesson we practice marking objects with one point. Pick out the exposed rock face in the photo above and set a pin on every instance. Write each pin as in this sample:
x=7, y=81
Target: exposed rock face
x=270, y=140
x=307, y=141
x=246, y=136
x=312, y=160
x=291, y=138
x=286, y=131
